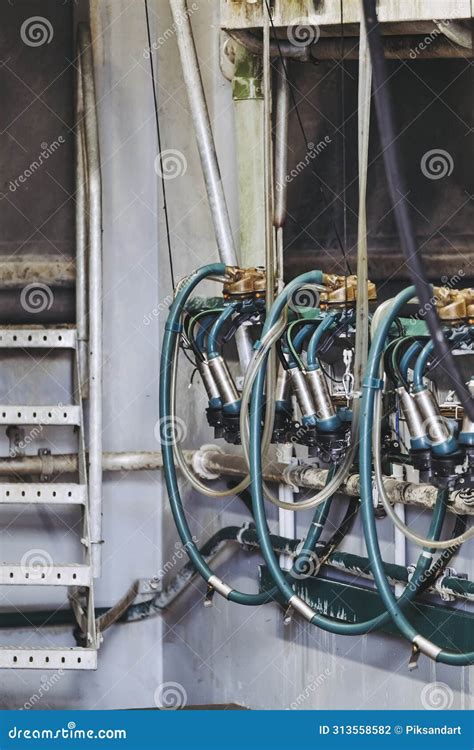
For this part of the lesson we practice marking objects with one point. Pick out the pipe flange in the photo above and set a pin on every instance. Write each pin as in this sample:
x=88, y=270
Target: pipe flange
x=199, y=461
x=287, y=475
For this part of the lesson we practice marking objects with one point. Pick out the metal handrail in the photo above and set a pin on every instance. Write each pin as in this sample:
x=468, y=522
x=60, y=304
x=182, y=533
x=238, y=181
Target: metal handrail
x=89, y=275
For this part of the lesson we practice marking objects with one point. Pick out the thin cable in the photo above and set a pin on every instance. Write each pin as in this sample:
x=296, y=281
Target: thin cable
x=398, y=192
x=158, y=137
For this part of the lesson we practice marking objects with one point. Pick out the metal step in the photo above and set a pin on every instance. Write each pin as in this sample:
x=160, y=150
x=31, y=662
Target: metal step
x=37, y=338
x=41, y=415
x=47, y=658
x=53, y=494
x=42, y=572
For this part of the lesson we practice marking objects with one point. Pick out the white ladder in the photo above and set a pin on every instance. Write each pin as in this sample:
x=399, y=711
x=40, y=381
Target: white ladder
x=78, y=575
x=84, y=340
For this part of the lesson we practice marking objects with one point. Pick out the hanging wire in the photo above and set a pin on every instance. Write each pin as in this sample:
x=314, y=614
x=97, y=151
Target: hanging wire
x=160, y=154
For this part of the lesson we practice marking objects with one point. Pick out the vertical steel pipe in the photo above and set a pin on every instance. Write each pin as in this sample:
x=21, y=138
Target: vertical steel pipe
x=81, y=231
x=94, y=193
x=281, y=163
x=281, y=143
x=202, y=128
x=207, y=153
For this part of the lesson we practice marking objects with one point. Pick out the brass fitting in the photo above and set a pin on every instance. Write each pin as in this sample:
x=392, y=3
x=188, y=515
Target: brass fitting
x=451, y=304
x=469, y=299
x=244, y=282
x=342, y=290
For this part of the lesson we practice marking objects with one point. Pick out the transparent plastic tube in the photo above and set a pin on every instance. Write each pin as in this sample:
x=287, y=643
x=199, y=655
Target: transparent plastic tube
x=343, y=472
x=385, y=309
x=191, y=477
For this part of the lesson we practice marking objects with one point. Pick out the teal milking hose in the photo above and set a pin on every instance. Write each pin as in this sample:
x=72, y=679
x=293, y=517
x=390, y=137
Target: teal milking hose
x=373, y=383
x=281, y=581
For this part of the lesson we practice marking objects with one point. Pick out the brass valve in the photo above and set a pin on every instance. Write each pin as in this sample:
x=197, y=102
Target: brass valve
x=342, y=290
x=244, y=282
x=452, y=304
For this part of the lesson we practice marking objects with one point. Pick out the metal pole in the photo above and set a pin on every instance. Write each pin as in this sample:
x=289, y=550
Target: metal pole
x=208, y=155
x=286, y=518
x=95, y=294
x=81, y=231
x=202, y=127
x=281, y=143
x=249, y=122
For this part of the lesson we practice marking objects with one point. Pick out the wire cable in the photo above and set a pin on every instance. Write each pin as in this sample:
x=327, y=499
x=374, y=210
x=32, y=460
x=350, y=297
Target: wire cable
x=398, y=192
x=160, y=153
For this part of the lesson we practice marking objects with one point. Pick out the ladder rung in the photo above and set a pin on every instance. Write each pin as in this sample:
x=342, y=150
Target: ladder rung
x=47, y=658
x=67, y=494
x=42, y=573
x=42, y=415
x=37, y=338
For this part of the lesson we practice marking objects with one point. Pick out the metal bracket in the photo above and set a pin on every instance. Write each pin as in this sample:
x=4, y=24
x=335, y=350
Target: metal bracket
x=209, y=596
x=288, y=615
x=47, y=464
x=415, y=655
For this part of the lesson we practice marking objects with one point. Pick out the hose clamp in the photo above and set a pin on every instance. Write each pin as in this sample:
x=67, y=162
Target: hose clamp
x=173, y=327
x=374, y=384
x=426, y=647
x=222, y=588
x=301, y=607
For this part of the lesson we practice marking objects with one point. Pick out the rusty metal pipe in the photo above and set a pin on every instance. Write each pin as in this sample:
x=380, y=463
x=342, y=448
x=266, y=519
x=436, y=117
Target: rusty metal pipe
x=227, y=465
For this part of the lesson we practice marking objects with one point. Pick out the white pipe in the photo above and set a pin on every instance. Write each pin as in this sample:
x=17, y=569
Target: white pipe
x=286, y=518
